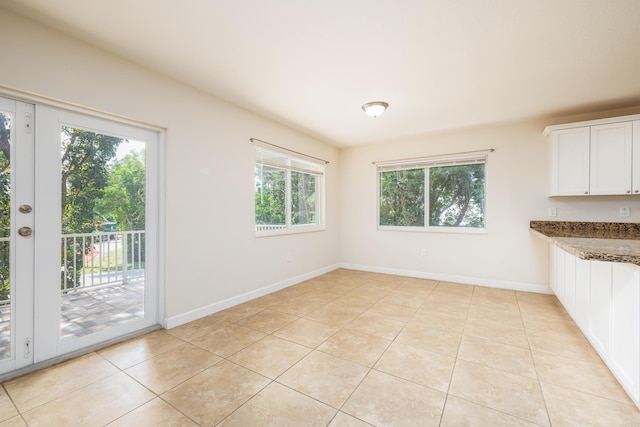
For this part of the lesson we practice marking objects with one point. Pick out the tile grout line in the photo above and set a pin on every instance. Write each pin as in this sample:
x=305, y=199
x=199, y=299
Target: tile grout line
x=19, y=413
x=364, y=377
x=507, y=372
x=337, y=285
x=533, y=360
x=156, y=395
x=447, y=393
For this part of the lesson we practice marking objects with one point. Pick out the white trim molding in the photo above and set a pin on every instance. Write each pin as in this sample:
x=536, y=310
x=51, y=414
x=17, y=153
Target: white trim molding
x=181, y=319
x=489, y=283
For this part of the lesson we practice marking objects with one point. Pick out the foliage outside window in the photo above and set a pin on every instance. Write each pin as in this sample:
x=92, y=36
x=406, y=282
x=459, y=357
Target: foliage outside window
x=99, y=190
x=433, y=194
x=96, y=188
x=288, y=193
x=5, y=205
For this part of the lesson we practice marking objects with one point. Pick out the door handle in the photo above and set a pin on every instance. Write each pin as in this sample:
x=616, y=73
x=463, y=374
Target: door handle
x=25, y=231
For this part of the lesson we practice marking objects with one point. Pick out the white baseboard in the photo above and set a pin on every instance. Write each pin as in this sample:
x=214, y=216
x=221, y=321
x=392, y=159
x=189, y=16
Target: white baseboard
x=490, y=283
x=172, y=322
x=180, y=319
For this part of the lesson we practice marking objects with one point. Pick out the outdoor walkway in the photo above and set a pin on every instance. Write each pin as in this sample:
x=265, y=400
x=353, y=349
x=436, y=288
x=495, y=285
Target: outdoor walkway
x=96, y=309
x=87, y=311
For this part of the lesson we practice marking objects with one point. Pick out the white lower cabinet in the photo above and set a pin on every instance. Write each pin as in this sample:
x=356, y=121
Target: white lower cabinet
x=557, y=272
x=570, y=283
x=599, y=330
x=625, y=324
x=583, y=291
x=603, y=298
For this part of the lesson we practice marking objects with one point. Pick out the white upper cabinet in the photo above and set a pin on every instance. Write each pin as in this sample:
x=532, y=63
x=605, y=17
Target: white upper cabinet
x=570, y=162
x=611, y=159
x=598, y=157
x=635, y=173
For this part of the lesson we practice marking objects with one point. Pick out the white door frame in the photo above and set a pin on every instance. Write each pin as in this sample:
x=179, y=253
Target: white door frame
x=32, y=314
x=49, y=121
x=21, y=248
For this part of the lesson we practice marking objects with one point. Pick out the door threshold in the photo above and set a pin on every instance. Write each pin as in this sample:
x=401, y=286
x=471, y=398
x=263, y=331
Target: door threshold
x=73, y=354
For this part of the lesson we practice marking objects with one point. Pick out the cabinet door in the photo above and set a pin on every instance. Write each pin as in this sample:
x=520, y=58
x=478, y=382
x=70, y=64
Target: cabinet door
x=610, y=171
x=636, y=157
x=625, y=327
x=553, y=278
x=570, y=175
x=569, y=294
x=599, y=332
x=557, y=272
x=583, y=287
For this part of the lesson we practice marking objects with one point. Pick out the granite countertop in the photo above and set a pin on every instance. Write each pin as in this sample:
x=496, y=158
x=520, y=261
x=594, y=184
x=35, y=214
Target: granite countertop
x=600, y=241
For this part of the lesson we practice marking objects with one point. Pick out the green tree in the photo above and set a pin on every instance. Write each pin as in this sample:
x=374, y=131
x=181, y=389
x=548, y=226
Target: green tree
x=303, y=198
x=124, y=197
x=124, y=201
x=457, y=195
x=5, y=203
x=85, y=174
x=270, y=195
x=84, y=159
x=402, y=198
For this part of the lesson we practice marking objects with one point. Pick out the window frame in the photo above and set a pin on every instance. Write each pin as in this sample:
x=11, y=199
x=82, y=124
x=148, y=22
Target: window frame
x=291, y=163
x=426, y=163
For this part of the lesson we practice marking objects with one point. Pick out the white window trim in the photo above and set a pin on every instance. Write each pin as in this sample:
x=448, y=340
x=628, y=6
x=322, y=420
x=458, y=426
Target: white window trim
x=435, y=229
x=467, y=158
x=305, y=164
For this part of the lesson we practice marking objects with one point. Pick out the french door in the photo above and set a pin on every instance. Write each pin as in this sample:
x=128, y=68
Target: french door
x=78, y=231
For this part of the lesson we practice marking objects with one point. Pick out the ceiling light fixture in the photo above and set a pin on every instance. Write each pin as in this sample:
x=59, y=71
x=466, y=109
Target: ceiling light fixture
x=374, y=109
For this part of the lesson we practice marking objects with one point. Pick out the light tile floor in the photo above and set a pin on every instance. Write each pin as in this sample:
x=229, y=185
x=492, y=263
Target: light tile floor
x=344, y=349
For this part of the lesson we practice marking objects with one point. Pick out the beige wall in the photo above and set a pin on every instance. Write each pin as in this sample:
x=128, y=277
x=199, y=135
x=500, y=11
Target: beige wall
x=212, y=253
x=517, y=192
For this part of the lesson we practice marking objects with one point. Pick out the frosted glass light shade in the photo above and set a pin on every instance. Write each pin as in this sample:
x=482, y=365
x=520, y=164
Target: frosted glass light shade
x=374, y=109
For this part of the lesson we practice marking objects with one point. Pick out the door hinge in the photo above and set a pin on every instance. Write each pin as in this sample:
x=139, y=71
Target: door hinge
x=27, y=347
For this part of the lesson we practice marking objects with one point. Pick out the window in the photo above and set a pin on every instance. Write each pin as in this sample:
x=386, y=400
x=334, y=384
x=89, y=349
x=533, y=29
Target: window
x=288, y=192
x=433, y=193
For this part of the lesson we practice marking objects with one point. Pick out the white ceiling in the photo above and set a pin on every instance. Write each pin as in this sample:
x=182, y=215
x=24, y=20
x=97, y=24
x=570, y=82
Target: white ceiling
x=311, y=64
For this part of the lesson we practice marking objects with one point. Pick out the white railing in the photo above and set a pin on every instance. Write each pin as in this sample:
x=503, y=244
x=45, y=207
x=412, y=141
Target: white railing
x=4, y=250
x=95, y=259
x=270, y=227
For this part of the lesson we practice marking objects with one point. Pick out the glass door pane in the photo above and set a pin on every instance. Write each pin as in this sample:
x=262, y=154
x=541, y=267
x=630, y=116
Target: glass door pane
x=5, y=235
x=96, y=231
x=103, y=234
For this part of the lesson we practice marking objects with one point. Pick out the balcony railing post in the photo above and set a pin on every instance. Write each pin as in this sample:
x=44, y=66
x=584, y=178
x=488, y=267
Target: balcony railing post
x=125, y=279
x=92, y=251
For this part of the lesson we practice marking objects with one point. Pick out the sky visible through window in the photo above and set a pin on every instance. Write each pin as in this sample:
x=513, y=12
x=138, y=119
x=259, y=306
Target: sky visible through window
x=129, y=147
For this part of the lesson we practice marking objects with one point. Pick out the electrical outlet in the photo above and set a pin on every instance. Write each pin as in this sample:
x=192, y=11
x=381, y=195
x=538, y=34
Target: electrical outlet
x=552, y=212
x=624, y=212
x=423, y=252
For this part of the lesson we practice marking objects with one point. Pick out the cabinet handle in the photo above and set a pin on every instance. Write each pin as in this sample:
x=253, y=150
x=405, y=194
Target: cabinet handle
x=637, y=191
x=628, y=191
x=586, y=192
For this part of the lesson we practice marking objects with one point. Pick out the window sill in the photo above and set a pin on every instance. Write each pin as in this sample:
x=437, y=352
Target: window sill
x=287, y=231
x=445, y=230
